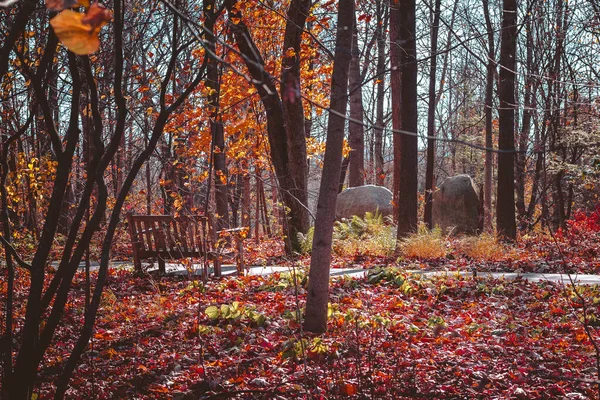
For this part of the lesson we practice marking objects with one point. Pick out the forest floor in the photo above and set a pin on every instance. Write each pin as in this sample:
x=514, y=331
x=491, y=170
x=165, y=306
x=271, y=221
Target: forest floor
x=391, y=334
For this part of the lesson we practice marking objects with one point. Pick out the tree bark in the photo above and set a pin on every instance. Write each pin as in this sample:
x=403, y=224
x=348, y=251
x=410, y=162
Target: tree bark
x=489, y=138
x=356, y=135
x=380, y=30
x=521, y=161
x=218, y=134
x=318, y=283
x=429, y=173
x=407, y=185
x=505, y=207
x=345, y=163
x=396, y=86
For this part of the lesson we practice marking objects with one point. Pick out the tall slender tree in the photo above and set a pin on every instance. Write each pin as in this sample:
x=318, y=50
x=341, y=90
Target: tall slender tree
x=403, y=19
x=396, y=85
x=218, y=134
x=429, y=173
x=505, y=205
x=318, y=283
x=356, y=135
x=489, y=142
x=380, y=32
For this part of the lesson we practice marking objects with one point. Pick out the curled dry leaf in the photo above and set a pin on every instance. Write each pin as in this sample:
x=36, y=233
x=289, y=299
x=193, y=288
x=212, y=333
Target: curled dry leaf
x=79, y=32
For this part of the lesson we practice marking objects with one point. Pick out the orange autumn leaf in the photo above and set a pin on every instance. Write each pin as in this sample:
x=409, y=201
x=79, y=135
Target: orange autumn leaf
x=79, y=32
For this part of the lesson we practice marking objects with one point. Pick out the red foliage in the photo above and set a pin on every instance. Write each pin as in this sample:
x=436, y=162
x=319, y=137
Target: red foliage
x=393, y=337
x=585, y=222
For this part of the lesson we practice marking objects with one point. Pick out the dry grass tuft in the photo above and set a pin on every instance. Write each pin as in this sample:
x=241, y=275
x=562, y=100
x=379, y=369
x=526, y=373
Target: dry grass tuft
x=484, y=247
x=425, y=243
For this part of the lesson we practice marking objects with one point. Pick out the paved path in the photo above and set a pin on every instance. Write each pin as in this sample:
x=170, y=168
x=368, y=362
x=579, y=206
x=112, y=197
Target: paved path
x=357, y=272
x=581, y=279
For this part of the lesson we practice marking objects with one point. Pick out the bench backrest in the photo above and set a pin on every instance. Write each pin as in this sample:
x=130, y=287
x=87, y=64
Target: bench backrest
x=167, y=236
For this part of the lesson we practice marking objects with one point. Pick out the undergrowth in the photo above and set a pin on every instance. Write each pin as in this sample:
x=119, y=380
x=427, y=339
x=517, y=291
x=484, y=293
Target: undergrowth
x=371, y=235
x=484, y=247
x=425, y=243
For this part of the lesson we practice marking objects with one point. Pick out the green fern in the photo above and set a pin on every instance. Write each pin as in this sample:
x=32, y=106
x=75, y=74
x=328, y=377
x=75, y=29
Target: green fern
x=305, y=240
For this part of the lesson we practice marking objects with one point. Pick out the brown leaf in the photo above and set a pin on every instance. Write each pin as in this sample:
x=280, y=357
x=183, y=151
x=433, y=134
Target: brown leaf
x=97, y=16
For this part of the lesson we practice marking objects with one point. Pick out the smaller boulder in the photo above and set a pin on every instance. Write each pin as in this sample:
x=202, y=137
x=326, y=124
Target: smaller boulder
x=362, y=199
x=456, y=206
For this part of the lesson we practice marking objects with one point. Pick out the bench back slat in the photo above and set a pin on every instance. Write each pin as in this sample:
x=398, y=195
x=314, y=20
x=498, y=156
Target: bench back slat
x=167, y=236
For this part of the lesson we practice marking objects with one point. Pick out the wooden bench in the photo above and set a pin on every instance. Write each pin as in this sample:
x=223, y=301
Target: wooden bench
x=164, y=237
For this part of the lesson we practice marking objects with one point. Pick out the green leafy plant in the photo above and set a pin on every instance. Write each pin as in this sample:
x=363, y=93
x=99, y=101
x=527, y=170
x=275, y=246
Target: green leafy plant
x=284, y=280
x=372, y=234
x=394, y=276
x=235, y=311
x=294, y=349
x=305, y=240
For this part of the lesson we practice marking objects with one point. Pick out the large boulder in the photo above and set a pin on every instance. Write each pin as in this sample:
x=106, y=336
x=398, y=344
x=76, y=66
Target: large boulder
x=362, y=199
x=456, y=205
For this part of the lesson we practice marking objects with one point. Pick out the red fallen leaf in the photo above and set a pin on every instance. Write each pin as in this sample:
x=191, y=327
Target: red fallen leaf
x=349, y=389
x=557, y=311
x=197, y=369
x=158, y=389
x=266, y=344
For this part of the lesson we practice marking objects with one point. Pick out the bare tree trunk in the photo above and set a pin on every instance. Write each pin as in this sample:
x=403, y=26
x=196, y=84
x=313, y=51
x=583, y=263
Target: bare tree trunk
x=148, y=184
x=521, y=167
x=356, y=135
x=265, y=214
x=295, y=123
x=318, y=283
x=257, y=208
x=380, y=30
x=505, y=206
x=396, y=85
x=407, y=202
x=429, y=173
x=345, y=163
x=218, y=135
x=246, y=203
x=489, y=141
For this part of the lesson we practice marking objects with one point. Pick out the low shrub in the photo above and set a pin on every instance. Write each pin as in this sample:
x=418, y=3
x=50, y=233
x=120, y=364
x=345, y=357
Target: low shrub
x=425, y=243
x=484, y=247
x=371, y=235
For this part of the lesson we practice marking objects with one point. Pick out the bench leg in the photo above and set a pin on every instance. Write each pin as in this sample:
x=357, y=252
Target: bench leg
x=161, y=266
x=240, y=257
x=137, y=263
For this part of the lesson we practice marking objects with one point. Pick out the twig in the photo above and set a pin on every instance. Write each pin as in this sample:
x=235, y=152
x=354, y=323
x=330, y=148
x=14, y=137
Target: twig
x=15, y=254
